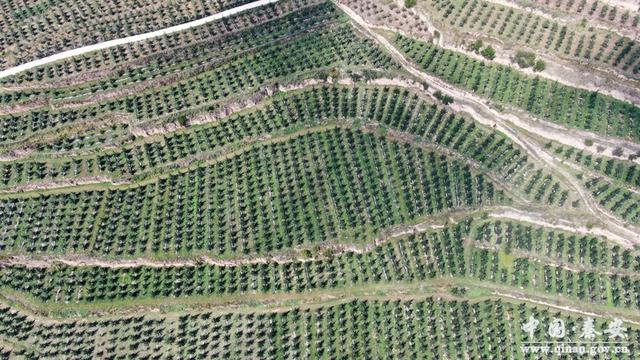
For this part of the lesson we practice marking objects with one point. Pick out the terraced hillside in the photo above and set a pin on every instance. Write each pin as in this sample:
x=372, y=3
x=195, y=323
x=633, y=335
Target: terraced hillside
x=310, y=179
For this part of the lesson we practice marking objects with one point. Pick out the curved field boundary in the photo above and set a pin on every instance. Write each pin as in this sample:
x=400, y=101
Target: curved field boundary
x=131, y=39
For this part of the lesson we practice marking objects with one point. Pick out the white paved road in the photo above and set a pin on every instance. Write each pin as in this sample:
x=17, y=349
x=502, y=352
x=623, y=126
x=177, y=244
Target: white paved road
x=131, y=39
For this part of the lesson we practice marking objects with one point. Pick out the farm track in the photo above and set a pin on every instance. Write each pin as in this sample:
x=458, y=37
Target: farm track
x=131, y=39
x=512, y=126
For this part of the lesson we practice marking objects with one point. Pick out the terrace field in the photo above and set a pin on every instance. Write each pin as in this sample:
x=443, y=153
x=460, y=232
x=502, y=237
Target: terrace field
x=311, y=179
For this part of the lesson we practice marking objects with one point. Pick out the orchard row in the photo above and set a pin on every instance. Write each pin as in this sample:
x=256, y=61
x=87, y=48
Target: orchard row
x=311, y=188
x=423, y=328
x=546, y=99
x=318, y=49
x=572, y=265
x=573, y=41
x=36, y=30
x=394, y=108
x=174, y=56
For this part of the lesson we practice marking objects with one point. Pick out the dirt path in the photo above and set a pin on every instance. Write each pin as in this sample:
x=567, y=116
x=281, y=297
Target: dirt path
x=254, y=302
x=467, y=102
x=61, y=183
x=131, y=39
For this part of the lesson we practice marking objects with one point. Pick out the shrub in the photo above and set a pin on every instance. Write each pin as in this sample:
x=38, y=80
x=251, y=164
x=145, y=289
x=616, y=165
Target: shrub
x=446, y=99
x=539, y=66
x=488, y=53
x=476, y=46
x=458, y=291
x=525, y=59
x=409, y=3
x=617, y=151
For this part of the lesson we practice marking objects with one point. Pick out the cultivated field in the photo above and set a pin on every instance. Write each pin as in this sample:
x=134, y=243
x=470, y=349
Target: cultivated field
x=311, y=179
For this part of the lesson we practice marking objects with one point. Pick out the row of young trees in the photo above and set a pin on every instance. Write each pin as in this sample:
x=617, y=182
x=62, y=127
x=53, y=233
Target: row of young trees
x=32, y=31
x=414, y=258
x=619, y=200
x=200, y=48
x=597, y=10
x=393, y=108
x=518, y=255
x=381, y=13
x=311, y=188
x=572, y=41
x=583, y=267
x=543, y=98
x=584, y=251
x=318, y=49
x=627, y=172
x=533, y=273
x=425, y=328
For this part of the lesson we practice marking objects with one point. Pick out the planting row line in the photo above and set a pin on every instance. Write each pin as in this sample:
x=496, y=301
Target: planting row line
x=427, y=328
x=575, y=41
x=413, y=258
x=329, y=46
x=310, y=189
x=546, y=99
x=176, y=55
x=39, y=29
x=395, y=108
